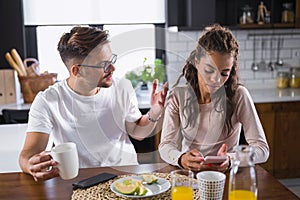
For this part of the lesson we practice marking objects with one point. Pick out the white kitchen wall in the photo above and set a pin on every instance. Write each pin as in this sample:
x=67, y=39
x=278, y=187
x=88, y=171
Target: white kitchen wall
x=54, y=12
x=180, y=44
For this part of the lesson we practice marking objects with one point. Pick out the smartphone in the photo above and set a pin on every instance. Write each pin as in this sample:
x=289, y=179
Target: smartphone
x=94, y=180
x=214, y=159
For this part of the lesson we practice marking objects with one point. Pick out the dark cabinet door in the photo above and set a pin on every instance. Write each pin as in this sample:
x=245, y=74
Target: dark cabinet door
x=201, y=12
x=267, y=117
x=12, y=29
x=287, y=129
x=190, y=14
x=281, y=125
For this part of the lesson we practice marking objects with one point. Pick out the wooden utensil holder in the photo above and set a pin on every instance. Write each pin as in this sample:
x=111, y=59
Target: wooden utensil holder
x=31, y=85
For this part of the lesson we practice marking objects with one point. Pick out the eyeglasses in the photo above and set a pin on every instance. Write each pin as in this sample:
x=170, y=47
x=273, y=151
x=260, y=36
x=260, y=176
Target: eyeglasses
x=106, y=65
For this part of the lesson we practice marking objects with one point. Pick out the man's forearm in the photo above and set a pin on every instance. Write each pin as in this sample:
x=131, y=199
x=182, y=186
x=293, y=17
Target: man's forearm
x=145, y=125
x=23, y=162
x=143, y=129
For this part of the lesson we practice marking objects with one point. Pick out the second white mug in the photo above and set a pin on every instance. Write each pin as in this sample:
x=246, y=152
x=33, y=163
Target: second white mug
x=67, y=157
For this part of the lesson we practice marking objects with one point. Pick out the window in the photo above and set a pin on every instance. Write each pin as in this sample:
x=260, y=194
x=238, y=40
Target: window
x=132, y=43
x=48, y=56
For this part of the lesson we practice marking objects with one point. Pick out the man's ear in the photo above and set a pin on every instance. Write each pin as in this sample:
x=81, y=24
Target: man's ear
x=74, y=70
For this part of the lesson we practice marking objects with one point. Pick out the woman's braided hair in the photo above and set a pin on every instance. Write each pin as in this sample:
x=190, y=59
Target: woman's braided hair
x=214, y=39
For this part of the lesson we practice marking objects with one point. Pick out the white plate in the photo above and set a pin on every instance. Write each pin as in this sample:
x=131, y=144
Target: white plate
x=156, y=188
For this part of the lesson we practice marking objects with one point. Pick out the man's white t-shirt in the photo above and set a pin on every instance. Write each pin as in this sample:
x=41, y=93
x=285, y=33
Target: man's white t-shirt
x=95, y=123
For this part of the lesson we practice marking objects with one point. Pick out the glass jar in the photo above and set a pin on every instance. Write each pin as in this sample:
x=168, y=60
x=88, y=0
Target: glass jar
x=268, y=17
x=282, y=80
x=287, y=15
x=242, y=178
x=247, y=15
x=294, y=81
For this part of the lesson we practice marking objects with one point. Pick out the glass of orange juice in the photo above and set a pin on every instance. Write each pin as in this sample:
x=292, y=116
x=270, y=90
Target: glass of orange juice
x=182, y=181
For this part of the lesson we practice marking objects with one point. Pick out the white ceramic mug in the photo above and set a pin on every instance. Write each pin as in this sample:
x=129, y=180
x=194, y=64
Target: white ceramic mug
x=211, y=185
x=67, y=157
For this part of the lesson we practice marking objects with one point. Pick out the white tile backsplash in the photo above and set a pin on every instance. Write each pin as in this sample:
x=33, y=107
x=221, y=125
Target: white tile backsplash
x=180, y=44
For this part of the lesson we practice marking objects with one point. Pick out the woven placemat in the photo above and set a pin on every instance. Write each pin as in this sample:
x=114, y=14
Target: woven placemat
x=102, y=191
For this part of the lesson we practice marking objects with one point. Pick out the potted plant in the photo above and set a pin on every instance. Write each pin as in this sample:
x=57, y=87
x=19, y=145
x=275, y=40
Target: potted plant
x=148, y=73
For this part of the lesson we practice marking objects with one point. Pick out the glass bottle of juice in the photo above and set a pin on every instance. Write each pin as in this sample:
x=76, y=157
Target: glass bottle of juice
x=242, y=179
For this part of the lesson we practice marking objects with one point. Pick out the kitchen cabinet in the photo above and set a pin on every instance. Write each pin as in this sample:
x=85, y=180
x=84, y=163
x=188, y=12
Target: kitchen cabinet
x=12, y=29
x=195, y=14
x=7, y=86
x=282, y=128
x=190, y=14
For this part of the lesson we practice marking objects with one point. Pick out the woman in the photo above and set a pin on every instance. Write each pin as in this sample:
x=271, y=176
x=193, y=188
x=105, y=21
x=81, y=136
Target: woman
x=205, y=116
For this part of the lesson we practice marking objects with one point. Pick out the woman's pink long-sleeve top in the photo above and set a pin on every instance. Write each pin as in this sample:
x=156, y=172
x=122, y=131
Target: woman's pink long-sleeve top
x=207, y=133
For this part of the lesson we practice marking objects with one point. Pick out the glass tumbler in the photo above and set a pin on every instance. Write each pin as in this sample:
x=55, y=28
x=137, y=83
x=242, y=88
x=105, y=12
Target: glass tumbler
x=182, y=181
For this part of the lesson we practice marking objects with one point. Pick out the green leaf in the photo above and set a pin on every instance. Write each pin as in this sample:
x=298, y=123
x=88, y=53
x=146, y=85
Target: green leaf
x=148, y=74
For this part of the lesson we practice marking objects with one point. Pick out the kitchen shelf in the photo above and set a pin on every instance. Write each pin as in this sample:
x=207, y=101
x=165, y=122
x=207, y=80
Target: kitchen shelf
x=284, y=25
x=254, y=26
x=196, y=14
x=264, y=26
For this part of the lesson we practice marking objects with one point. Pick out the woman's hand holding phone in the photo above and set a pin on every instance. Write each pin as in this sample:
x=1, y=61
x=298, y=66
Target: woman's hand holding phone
x=191, y=160
x=220, y=162
x=214, y=159
x=195, y=161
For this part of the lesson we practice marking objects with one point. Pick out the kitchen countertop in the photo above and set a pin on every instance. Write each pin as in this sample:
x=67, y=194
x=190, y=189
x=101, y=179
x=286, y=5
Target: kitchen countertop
x=15, y=106
x=259, y=95
x=272, y=95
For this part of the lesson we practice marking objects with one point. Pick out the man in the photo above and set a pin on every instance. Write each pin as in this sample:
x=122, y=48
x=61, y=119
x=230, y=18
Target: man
x=90, y=108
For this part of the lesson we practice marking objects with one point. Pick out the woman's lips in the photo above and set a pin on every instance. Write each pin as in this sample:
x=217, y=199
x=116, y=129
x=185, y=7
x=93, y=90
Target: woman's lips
x=213, y=88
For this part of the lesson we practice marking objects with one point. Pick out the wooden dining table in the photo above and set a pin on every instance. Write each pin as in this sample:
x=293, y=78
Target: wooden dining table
x=20, y=186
